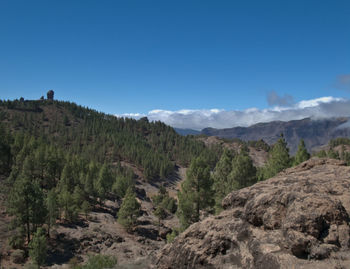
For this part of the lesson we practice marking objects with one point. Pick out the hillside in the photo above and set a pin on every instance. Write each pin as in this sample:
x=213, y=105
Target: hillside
x=187, y=131
x=69, y=169
x=298, y=219
x=152, y=146
x=315, y=133
x=258, y=150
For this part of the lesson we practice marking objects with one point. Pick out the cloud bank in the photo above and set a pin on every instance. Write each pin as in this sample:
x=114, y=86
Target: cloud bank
x=324, y=107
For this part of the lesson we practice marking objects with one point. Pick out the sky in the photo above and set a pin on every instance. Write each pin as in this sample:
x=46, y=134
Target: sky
x=191, y=64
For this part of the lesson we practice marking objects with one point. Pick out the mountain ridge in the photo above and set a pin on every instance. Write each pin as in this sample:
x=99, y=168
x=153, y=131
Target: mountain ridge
x=315, y=132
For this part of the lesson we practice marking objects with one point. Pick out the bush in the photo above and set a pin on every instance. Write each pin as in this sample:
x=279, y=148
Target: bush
x=16, y=241
x=98, y=262
x=18, y=256
x=170, y=237
x=30, y=266
x=170, y=204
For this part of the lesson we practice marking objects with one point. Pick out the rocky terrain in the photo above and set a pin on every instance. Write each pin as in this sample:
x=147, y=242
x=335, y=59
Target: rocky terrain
x=298, y=219
x=100, y=232
x=315, y=133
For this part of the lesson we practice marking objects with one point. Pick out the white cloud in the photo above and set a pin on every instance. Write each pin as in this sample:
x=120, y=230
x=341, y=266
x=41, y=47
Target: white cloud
x=318, y=101
x=323, y=107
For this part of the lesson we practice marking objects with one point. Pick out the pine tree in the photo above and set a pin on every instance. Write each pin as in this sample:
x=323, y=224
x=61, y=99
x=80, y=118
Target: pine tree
x=5, y=151
x=220, y=178
x=196, y=193
x=38, y=247
x=302, y=155
x=52, y=209
x=86, y=208
x=104, y=181
x=333, y=154
x=278, y=160
x=67, y=178
x=66, y=202
x=129, y=210
x=92, y=173
x=243, y=173
x=26, y=203
x=78, y=196
x=160, y=213
x=121, y=185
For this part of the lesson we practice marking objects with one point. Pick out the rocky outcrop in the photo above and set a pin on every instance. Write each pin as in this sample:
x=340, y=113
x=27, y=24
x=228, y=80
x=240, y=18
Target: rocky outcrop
x=298, y=219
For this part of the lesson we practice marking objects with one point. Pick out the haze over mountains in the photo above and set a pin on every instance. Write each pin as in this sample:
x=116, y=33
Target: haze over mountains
x=315, y=133
x=317, y=121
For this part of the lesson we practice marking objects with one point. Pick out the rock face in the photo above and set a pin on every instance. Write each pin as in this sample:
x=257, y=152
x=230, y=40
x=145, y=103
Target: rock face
x=315, y=133
x=298, y=219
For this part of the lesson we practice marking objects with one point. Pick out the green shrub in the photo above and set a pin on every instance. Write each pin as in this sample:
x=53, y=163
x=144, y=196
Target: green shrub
x=16, y=241
x=18, y=256
x=170, y=237
x=98, y=262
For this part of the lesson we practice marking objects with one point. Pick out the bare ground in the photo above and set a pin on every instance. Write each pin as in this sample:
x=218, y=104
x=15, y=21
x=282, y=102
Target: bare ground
x=100, y=233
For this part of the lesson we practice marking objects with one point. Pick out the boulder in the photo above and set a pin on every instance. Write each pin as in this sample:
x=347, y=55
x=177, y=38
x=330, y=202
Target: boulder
x=298, y=219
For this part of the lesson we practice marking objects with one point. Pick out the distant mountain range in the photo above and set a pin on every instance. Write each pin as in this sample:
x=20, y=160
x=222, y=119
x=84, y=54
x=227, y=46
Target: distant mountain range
x=316, y=133
x=187, y=131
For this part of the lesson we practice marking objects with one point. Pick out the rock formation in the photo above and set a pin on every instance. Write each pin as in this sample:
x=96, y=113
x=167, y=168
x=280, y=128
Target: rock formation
x=50, y=95
x=298, y=219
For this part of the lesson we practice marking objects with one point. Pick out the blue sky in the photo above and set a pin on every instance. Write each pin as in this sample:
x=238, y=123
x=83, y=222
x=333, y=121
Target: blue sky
x=136, y=56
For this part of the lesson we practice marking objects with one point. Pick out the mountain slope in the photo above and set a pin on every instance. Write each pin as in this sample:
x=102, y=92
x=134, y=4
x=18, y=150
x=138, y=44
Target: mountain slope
x=315, y=133
x=84, y=162
x=187, y=131
x=298, y=219
x=154, y=147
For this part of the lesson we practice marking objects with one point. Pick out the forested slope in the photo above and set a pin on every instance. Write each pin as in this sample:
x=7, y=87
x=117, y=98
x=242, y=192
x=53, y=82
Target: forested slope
x=62, y=160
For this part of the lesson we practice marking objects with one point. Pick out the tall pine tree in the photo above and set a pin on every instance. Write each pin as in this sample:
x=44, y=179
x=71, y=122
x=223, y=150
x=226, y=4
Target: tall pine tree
x=26, y=203
x=220, y=178
x=279, y=159
x=129, y=210
x=52, y=209
x=243, y=173
x=196, y=192
x=302, y=155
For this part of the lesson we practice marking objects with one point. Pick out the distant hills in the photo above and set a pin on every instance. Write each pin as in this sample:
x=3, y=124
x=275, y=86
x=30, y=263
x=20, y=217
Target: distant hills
x=316, y=133
x=187, y=131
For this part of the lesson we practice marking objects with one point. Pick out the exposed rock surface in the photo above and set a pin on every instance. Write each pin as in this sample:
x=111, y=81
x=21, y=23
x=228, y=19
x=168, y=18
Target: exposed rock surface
x=298, y=219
